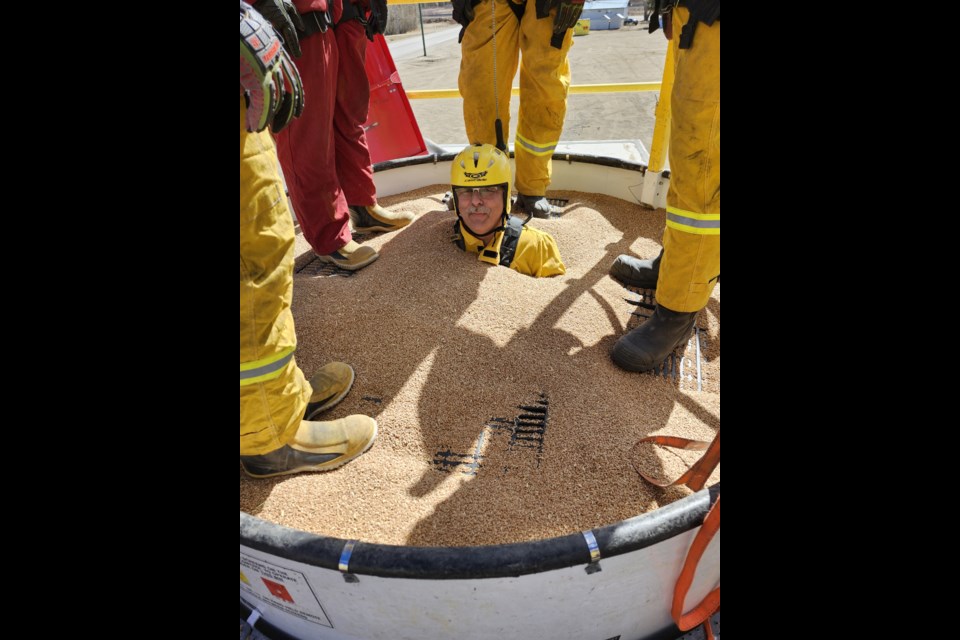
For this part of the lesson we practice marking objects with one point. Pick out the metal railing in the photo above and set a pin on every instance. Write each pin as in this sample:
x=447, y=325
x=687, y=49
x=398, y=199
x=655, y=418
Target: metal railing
x=661, y=128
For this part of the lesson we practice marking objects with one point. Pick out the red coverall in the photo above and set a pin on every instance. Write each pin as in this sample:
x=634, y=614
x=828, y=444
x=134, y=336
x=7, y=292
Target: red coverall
x=324, y=153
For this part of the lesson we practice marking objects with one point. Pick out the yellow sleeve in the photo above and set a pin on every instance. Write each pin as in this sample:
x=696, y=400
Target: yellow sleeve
x=537, y=254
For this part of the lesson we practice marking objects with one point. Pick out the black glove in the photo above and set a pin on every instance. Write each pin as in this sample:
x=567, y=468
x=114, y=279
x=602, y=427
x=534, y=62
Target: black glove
x=463, y=12
x=378, y=16
x=567, y=16
x=285, y=19
x=269, y=78
x=654, y=23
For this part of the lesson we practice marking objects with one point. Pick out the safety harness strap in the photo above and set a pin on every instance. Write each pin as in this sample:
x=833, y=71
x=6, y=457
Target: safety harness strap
x=371, y=25
x=511, y=236
x=315, y=22
x=508, y=244
x=457, y=236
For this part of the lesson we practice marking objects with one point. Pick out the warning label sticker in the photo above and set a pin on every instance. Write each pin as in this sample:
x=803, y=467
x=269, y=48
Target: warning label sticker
x=285, y=589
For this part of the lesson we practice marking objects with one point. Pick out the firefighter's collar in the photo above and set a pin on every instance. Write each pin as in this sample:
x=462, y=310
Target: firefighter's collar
x=489, y=252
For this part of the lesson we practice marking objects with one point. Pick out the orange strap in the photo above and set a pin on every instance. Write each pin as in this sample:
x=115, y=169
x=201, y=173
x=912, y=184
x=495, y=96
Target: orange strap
x=696, y=476
x=701, y=613
x=708, y=629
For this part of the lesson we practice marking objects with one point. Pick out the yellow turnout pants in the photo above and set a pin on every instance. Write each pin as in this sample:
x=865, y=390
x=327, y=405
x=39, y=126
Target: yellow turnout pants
x=544, y=82
x=691, y=258
x=273, y=391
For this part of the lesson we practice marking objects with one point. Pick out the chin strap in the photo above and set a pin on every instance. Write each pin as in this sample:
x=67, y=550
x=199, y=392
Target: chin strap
x=458, y=236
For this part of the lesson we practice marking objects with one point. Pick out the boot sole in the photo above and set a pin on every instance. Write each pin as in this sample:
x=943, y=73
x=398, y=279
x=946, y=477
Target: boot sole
x=633, y=283
x=623, y=360
x=347, y=266
x=331, y=467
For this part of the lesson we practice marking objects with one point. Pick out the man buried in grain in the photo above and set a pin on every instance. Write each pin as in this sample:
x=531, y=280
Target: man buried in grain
x=480, y=178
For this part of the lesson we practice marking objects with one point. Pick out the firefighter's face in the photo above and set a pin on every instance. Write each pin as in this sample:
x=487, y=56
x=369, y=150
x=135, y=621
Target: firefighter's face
x=480, y=207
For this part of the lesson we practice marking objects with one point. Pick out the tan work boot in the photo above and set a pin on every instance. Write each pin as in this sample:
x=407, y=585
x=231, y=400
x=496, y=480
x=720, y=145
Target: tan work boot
x=317, y=446
x=351, y=256
x=376, y=218
x=331, y=384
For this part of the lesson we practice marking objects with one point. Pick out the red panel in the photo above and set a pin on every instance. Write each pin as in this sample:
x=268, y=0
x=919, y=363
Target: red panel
x=392, y=130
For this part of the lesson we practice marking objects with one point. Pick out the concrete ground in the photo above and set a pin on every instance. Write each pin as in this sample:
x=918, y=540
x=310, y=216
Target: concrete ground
x=628, y=54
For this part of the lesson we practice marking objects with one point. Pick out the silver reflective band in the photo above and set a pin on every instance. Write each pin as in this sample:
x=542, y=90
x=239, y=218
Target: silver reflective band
x=267, y=368
x=345, y=555
x=537, y=149
x=592, y=545
x=693, y=222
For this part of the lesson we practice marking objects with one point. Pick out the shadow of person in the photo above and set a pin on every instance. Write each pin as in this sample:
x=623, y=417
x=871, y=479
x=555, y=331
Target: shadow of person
x=525, y=451
x=387, y=318
x=501, y=415
x=537, y=422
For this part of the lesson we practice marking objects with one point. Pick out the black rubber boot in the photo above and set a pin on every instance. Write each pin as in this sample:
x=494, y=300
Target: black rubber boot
x=537, y=206
x=649, y=344
x=635, y=272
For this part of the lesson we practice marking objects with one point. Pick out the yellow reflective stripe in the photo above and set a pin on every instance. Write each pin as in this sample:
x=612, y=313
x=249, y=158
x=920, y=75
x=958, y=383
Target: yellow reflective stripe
x=265, y=368
x=704, y=224
x=535, y=148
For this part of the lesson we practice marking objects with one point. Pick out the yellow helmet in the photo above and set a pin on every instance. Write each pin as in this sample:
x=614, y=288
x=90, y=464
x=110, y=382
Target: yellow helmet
x=481, y=165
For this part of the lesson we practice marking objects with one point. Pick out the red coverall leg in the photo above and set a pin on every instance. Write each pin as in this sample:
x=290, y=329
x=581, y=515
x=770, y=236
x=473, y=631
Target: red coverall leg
x=307, y=149
x=354, y=168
